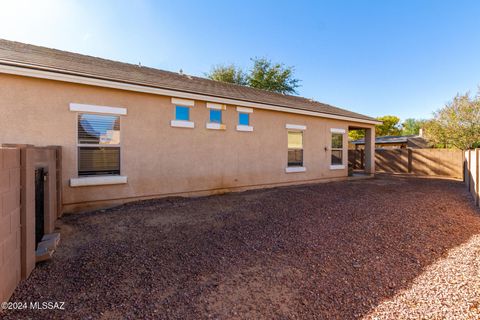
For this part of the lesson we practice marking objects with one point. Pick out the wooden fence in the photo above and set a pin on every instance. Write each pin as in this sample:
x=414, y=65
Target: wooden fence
x=471, y=177
x=421, y=162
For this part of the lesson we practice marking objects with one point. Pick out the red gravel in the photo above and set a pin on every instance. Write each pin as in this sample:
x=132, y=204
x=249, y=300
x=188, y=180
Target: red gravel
x=343, y=250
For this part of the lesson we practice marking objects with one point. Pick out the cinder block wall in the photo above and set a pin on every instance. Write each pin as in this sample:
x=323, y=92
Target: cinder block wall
x=9, y=221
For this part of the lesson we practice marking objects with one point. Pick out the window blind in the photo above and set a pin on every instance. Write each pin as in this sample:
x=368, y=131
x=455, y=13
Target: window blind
x=104, y=131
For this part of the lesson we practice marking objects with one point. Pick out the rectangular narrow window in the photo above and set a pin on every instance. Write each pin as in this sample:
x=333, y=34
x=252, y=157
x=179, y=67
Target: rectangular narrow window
x=295, y=149
x=215, y=116
x=182, y=113
x=98, y=144
x=244, y=119
x=337, y=149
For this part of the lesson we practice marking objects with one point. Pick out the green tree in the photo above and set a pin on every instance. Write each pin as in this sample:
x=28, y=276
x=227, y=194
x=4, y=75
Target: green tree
x=389, y=127
x=228, y=73
x=412, y=126
x=271, y=76
x=264, y=75
x=457, y=125
x=356, y=134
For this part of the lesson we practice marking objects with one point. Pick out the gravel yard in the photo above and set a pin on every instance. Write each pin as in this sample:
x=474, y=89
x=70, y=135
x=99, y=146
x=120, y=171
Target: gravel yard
x=384, y=248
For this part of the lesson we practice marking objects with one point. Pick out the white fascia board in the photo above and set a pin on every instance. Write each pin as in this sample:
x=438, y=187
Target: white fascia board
x=336, y=130
x=244, y=110
x=182, y=124
x=295, y=126
x=183, y=102
x=216, y=106
x=97, y=109
x=53, y=74
x=215, y=126
x=295, y=169
x=244, y=128
x=97, y=181
x=337, y=167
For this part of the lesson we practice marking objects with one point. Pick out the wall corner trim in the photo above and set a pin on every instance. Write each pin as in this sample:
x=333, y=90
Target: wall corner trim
x=296, y=126
x=97, y=109
x=97, y=181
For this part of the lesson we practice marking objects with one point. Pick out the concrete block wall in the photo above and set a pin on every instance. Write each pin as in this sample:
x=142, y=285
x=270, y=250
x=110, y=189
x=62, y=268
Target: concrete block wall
x=10, y=268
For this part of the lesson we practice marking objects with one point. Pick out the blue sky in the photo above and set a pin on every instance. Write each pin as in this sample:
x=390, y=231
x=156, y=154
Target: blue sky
x=406, y=58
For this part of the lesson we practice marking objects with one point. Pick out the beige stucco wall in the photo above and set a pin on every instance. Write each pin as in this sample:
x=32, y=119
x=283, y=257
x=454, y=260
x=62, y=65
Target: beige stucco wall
x=157, y=158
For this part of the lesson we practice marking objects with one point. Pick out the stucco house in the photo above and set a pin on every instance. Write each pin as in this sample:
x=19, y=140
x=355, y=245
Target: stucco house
x=130, y=132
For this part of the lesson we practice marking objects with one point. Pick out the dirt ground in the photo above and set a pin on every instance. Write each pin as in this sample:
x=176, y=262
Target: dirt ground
x=384, y=248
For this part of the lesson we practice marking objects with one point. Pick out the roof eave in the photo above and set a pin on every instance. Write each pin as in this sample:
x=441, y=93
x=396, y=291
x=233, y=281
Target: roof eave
x=16, y=68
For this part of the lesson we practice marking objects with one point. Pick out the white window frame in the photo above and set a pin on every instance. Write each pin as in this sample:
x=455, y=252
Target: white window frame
x=337, y=131
x=296, y=128
x=241, y=127
x=182, y=103
x=97, y=180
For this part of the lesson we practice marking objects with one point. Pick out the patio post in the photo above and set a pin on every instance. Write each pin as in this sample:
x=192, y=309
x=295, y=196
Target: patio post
x=370, y=150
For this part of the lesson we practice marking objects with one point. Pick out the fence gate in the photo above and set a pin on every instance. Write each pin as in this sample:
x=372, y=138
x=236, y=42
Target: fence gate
x=39, y=204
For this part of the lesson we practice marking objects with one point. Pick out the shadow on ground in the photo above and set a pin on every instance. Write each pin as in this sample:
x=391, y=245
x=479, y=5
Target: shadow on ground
x=333, y=250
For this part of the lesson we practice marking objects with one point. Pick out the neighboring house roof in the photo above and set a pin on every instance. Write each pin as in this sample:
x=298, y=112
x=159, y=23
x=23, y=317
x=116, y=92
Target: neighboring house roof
x=412, y=140
x=386, y=139
x=40, y=58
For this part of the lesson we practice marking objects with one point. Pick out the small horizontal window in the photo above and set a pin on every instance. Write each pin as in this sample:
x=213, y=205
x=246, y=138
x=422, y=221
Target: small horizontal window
x=182, y=113
x=215, y=116
x=244, y=119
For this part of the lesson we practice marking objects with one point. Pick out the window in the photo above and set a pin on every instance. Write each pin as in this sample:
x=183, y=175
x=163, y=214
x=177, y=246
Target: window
x=295, y=149
x=215, y=111
x=182, y=113
x=215, y=116
x=98, y=144
x=244, y=119
x=337, y=149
